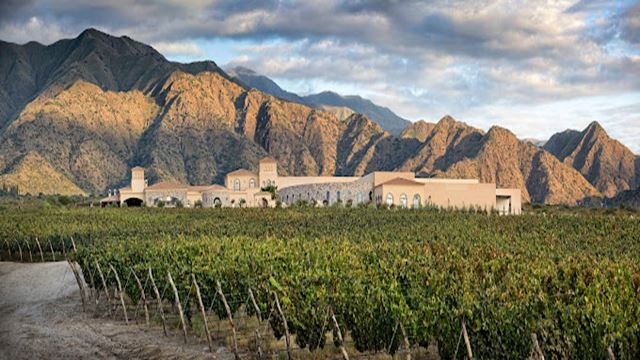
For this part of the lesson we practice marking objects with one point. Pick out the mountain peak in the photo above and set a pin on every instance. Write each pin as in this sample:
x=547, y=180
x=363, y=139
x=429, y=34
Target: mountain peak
x=595, y=128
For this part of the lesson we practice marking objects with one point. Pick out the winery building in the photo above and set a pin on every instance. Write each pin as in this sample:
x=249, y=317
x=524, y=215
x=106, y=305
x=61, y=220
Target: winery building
x=245, y=188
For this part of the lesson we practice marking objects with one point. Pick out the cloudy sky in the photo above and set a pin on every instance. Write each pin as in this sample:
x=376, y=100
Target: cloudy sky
x=535, y=67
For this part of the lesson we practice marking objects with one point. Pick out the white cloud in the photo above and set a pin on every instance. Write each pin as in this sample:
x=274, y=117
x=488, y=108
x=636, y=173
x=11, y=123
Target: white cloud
x=179, y=48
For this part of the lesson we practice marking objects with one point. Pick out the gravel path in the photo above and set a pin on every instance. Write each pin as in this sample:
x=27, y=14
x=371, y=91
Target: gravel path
x=41, y=318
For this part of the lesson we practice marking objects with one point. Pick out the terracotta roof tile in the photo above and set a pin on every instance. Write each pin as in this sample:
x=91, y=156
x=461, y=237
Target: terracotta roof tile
x=242, y=172
x=167, y=185
x=402, y=181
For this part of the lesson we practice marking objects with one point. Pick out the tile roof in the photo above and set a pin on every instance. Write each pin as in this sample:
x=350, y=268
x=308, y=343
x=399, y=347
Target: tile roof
x=242, y=172
x=167, y=185
x=206, y=187
x=402, y=181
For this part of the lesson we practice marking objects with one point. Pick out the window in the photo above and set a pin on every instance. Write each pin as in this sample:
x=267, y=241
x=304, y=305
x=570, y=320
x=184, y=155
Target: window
x=403, y=200
x=338, y=195
x=416, y=201
x=252, y=183
x=389, y=199
x=328, y=196
x=236, y=185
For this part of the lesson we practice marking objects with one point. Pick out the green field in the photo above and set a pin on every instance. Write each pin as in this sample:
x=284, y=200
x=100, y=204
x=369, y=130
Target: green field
x=571, y=278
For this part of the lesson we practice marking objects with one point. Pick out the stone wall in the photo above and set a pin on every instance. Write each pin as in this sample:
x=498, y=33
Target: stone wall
x=356, y=191
x=209, y=197
x=150, y=196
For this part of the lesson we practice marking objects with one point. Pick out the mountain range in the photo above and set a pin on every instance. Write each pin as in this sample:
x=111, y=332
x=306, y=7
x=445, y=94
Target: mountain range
x=76, y=115
x=342, y=106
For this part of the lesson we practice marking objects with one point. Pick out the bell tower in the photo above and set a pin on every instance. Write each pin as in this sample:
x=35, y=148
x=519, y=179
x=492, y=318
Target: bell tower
x=137, y=179
x=268, y=172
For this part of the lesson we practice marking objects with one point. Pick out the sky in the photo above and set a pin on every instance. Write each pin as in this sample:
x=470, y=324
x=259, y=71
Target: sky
x=535, y=67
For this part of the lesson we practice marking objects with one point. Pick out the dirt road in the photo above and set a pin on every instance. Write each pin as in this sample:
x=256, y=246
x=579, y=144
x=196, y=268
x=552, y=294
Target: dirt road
x=41, y=318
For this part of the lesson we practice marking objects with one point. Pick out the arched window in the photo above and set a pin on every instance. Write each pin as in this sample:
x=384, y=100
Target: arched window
x=416, y=201
x=236, y=185
x=338, y=195
x=328, y=196
x=403, y=200
x=252, y=183
x=389, y=199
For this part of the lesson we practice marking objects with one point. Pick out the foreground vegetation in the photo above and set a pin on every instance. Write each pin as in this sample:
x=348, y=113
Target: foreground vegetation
x=572, y=279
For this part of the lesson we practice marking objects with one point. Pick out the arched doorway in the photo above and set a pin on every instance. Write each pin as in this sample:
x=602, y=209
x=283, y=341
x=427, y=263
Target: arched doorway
x=416, y=201
x=264, y=203
x=133, y=202
x=217, y=202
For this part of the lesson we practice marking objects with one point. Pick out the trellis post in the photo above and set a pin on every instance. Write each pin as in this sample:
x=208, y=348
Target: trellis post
x=203, y=311
x=286, y=327
x=340, y=340
x=124, y=307
x=230, y=316
x=143, y=296
x=155, y=290
x=177, y=298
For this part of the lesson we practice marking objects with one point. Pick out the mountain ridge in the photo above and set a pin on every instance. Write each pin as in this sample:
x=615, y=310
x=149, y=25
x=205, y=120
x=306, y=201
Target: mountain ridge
x=380, y=114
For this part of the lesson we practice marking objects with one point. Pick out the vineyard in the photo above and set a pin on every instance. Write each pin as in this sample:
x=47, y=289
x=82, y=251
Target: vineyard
x=359, y=281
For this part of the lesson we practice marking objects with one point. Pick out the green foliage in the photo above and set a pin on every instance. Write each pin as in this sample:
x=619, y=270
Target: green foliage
x=573, y=280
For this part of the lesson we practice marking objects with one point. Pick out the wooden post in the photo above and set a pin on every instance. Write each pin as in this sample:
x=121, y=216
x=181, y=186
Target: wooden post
x=177, y=297
x=406, y=344
x=30, y=254
x=610, y=354
x=143, y=296
x=286, y=327
x=79, y=281
x=104, y=286
x=340, y=340
x=19, y=250
x=259, y=315
x=74, y=244
x=203, y=311
x=155, y=290
x=124, y=307
x=255, y=305
x=40, y=248
x=52, y=252
x=537, y=352
x=229, y=315
x=466, y=340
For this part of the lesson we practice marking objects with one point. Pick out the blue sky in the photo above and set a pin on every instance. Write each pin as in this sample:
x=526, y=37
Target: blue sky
x=535, y=67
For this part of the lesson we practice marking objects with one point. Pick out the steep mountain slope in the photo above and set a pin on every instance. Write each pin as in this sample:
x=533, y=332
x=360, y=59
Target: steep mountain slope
x=34, y=175
x=381, y=115
x=606, y=163
x=112, y=63
x=83, y=132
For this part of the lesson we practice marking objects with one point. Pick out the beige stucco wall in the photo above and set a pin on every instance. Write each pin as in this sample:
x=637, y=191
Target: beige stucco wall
x=245, y=182
x=509, y=199
x=382, y=192
x=460, y=195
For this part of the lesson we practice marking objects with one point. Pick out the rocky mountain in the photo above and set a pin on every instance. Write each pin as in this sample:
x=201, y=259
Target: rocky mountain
x=606, y=163
x=327, y=100
x=110, y=103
